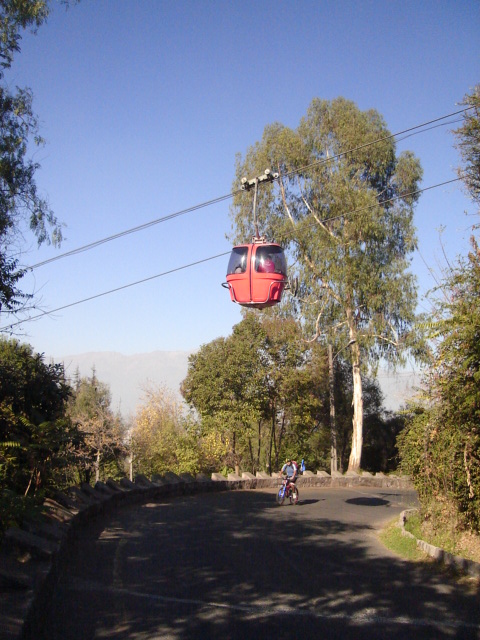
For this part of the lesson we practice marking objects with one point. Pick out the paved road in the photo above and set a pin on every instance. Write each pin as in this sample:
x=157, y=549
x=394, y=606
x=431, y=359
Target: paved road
x=234, y=565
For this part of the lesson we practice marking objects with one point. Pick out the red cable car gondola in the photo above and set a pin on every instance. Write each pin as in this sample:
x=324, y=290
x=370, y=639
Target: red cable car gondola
x=257, y=272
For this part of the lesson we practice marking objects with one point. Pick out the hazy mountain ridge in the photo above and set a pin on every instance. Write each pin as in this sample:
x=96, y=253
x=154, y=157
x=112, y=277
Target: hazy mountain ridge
x=129, y=375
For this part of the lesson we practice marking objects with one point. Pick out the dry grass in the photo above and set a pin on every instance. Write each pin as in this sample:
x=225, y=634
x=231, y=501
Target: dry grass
x=447, y=537
x=407, y=548
x=468, y=546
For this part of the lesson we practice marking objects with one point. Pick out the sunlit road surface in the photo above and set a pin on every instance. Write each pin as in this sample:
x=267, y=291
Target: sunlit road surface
x=235, y=565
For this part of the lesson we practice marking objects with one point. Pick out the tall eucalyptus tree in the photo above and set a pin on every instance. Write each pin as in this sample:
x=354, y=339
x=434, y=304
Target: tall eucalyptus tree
x=343, y=208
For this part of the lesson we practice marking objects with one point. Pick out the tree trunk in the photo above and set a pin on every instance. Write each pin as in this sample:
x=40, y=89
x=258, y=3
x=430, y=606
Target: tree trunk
x=234, y=453
x=97, y=467
x=333, y=426
x=259, y=448
x=270, y=447
x=252, y=459
x=357, y=436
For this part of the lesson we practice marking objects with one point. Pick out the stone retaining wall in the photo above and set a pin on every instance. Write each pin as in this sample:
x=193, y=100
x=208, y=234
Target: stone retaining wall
x=31, y=558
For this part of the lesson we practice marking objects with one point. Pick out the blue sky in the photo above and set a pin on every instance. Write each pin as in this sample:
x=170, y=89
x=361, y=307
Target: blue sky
x=144, y=105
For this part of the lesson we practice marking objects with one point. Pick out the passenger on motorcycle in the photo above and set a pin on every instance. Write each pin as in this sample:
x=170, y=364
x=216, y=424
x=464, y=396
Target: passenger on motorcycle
x=290, y=468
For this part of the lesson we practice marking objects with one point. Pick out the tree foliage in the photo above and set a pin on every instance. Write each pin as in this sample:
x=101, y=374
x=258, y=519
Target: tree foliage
x=441, y=446
x=263, y=393
x=20, y=202
x=16, y=16
x=52, y=435
x=36, y=437
x=103, y=431
x=468, y=143
x=161, y=439
x=343, y=207
x=225, y=386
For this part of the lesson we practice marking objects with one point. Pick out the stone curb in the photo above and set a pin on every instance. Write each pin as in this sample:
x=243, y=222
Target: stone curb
x=469, y=567
x=32, y=558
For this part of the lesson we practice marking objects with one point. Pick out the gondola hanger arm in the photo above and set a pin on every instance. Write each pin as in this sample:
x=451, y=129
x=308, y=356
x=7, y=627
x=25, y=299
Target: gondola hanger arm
x=267, y=176
x=253, y=183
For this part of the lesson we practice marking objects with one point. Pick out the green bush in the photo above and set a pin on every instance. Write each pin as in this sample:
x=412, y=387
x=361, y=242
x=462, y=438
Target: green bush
x=14, y=508
x=440, y=447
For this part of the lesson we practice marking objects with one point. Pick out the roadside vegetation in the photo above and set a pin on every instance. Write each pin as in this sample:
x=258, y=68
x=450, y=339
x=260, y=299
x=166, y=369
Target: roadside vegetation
x=343, y=208
x=440, y=446
x=459, y=542
x=404, y=546
x=53, y=433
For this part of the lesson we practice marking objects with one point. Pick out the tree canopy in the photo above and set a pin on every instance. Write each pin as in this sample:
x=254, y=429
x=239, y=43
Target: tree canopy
x=35, y=435
x=263, y=393
x=159, y=441
x=52, y=434
x=468, y=143
x=103, y=432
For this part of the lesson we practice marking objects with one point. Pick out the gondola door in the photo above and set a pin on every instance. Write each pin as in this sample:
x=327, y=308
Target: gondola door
x=268, y=274
x=238, y=274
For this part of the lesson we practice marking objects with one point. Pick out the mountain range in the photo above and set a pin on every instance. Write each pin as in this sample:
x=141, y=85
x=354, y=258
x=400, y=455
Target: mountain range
x=128, y=376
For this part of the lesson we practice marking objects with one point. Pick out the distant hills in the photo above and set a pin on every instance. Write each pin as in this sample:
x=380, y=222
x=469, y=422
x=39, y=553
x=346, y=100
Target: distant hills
x=129, y=376
x=398, y=387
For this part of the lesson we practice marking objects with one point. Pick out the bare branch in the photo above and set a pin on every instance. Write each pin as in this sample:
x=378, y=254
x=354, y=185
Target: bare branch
x=284, y=200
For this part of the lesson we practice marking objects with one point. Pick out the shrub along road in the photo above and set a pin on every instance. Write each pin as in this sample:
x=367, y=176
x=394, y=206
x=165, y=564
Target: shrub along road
x=235, y=565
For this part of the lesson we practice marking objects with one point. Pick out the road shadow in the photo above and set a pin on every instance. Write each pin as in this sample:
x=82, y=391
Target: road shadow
x=368, y=502
x=236, y=566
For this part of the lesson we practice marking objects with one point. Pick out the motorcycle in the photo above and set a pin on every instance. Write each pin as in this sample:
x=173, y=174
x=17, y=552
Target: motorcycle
x=287, y=490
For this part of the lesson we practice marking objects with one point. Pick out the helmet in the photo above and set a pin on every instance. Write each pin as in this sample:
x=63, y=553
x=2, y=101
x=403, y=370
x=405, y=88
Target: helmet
x=287, y=460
